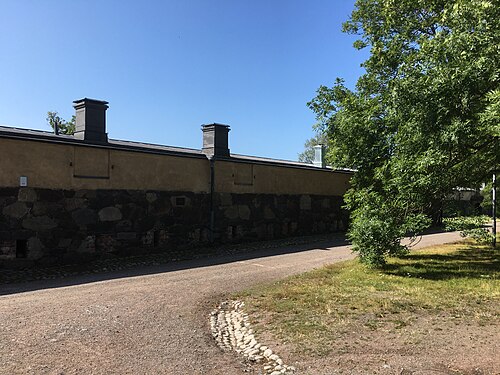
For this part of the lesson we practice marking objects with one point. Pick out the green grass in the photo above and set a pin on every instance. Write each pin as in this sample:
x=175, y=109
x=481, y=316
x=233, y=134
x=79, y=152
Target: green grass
x=457, y=281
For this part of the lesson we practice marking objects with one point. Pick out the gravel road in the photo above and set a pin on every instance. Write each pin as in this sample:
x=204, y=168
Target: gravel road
x=152, y=320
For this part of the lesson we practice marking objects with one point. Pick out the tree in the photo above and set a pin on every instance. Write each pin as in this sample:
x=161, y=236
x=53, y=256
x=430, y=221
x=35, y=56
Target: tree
x=487, y=194
x=307, y=156
x=63, y=126
x=422, y=120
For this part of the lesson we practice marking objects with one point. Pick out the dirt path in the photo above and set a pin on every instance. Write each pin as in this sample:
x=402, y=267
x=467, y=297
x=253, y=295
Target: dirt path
x=147, y=321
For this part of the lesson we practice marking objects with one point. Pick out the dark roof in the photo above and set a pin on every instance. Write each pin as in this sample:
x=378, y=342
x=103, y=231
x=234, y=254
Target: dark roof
x=46, y=136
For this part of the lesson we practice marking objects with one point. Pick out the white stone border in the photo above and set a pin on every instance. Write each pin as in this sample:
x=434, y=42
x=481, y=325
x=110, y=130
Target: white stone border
x=232, y=332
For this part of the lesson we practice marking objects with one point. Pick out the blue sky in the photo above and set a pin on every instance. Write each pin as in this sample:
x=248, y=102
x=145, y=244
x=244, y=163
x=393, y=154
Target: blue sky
x=166, y=67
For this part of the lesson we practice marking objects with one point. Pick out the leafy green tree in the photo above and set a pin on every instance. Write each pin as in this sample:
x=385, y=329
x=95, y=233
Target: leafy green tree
x=65, y=127
x=422, y=120
x=307, y=156
x=487, y=194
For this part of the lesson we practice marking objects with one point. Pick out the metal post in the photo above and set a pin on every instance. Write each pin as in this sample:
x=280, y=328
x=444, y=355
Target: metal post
x=494, y=209
x=212, y=191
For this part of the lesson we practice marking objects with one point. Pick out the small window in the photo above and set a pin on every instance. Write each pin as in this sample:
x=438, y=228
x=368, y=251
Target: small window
x=21, y=248
x=180, y=201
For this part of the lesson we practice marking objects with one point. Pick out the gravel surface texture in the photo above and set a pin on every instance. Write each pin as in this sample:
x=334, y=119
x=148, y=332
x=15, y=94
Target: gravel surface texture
x=151, y=319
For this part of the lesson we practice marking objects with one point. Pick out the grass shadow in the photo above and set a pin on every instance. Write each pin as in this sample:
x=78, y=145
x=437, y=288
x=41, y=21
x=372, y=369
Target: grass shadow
x=468, y=262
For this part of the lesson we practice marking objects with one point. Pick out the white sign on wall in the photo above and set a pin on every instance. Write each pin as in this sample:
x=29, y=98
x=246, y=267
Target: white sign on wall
x=23, y=181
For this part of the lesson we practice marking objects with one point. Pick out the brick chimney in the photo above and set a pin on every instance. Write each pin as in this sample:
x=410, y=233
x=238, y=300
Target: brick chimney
x=91, y=120
x=319, y=156
x=215, y=139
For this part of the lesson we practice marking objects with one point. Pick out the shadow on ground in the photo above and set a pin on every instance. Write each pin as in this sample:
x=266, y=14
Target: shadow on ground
x=467, y=262
x=18, y=281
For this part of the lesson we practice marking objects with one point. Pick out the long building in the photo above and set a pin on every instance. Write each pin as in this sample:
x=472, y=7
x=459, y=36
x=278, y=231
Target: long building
x=69, y=197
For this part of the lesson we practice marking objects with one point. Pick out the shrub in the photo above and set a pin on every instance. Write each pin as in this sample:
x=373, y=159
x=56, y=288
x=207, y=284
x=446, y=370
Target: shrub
x=470, y=226
x=378, y=225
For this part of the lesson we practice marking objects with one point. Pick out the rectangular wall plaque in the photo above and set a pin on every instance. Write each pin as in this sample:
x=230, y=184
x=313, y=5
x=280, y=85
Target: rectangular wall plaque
x=243, y=174
x=91, y=163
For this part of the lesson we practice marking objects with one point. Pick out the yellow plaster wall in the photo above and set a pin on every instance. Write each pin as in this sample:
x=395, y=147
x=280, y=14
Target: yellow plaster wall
x=134, y=170
x=54, y=166
x=269, y=179
x=45, y=164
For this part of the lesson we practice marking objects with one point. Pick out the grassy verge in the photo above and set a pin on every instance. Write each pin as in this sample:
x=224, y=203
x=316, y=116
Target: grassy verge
x=456, y=282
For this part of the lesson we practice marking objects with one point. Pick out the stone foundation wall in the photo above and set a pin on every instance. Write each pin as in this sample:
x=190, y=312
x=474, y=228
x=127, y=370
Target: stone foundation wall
x=246, y=217
x=45, y=226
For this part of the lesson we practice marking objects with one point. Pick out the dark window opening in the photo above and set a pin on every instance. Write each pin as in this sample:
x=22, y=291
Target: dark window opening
x=21, y=248
x=156, y=238
x=180, y=201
